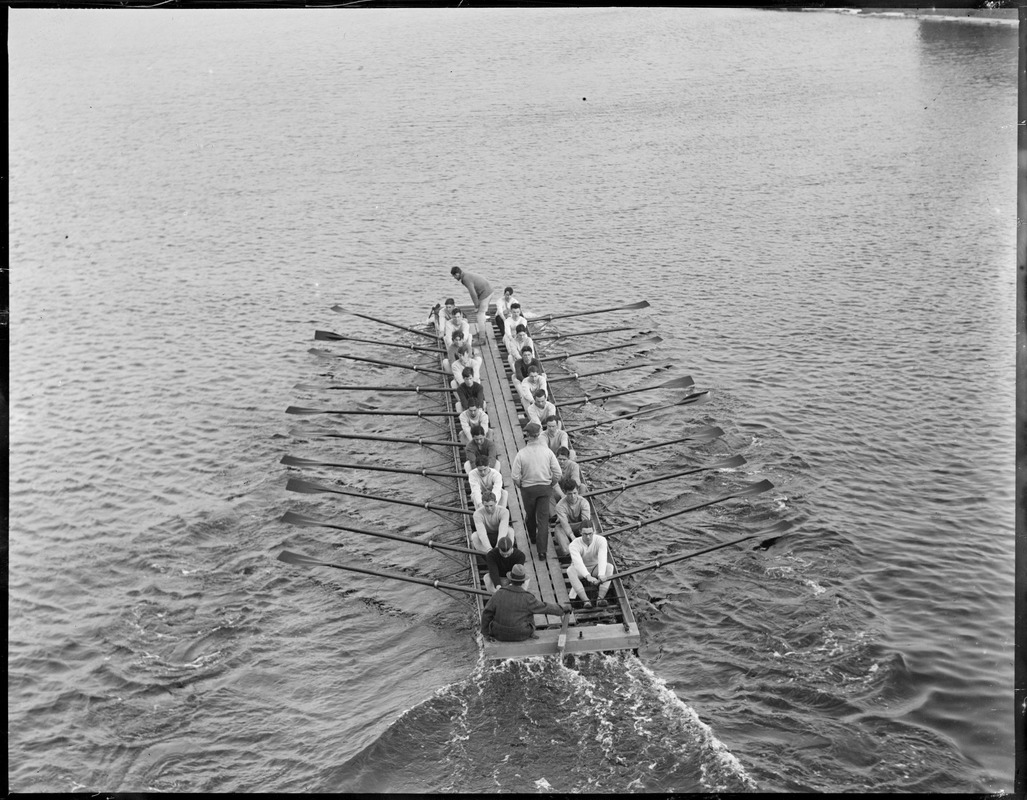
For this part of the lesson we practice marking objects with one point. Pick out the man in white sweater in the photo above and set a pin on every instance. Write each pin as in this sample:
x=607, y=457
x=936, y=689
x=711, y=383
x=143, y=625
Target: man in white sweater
x=589, y=562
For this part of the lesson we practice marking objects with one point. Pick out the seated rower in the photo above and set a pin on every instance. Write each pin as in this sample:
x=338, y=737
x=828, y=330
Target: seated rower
x=453, y=349
x=515, y=342
x=466, y=357
x=540, y=408
x=503, y=309
x=571, y=513
x=486, y=482
x=531, y=384
x=491, y=523
x=509, y=615
x=480, y=445
x=589, y=562
x=473, y=416
x=517, y=318
x=468, y=390
x=500, y=560
x=569, y=469
x=522, y=364
x=440, y=315
x=555, y=436
x=456, y=322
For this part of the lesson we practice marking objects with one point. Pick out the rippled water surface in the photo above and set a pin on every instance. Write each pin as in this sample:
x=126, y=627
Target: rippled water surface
x=820, y=209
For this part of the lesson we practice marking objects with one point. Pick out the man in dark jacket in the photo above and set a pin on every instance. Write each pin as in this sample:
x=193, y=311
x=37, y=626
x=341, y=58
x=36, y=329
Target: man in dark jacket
x=510, y=613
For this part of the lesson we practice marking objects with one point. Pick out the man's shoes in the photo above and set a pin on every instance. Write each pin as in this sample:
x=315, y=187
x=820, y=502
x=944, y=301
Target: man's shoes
x=588, y=604
x=541, y=556
x=601, y=602
x=573, y=594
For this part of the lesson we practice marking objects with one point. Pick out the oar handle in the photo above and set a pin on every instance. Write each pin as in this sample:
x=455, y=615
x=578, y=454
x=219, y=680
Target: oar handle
x=292, y=518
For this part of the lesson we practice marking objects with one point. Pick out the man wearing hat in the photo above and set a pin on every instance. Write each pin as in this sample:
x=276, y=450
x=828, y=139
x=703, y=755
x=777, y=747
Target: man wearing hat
x=500, y=560
x=535, y=472
x=510, y=613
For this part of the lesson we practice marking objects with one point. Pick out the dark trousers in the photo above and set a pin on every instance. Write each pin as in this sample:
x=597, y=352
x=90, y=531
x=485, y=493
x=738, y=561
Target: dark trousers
x=536, y=514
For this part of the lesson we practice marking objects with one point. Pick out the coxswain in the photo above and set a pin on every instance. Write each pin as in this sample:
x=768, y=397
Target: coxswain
x=589, y=561
x=509, y=615
x=486, y=482
x=535, y=471
x=472, y=416
x=500, y=560
x=480, y=445
x=481, y=293
x=571, y=513
x=491, y=523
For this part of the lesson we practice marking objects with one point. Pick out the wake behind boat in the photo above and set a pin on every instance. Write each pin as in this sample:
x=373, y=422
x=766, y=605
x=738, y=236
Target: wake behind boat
x=594, y=617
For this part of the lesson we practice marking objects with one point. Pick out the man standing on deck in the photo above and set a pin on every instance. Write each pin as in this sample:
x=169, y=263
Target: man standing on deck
x=481, y=295
x=510, y=613
x=500, y=560
x=535, y=472
x=589, y=561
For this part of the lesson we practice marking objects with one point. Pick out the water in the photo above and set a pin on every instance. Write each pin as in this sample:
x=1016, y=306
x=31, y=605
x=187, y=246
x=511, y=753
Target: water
x=819, y=208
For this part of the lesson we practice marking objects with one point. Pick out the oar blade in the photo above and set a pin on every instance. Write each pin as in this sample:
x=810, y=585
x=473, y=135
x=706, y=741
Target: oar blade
x=301, y=411
x=303, y=521
x=296, y=461
x=728, y=463
x=676, y=383
x=305, y=487
x=301, y=560
x=328, y=336
x=755, y=488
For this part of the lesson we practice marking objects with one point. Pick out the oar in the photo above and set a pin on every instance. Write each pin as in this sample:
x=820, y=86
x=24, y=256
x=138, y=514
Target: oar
x=300, y=434
x=593, y=332
x=341, y=310
x=628, y=307
x=306, y=561
x=676, y=383
x=328, y=336
x=294, y=461
x=309, y=487
x=707, y=434
x=312, y=522
x=727, y=463
x=308, y=411
x=749, y=491
x=313, y=387
x=326, y=354
x=777, y=527
x=575, y=375
x=653, y=340
x=697, y=399
x=561, y=641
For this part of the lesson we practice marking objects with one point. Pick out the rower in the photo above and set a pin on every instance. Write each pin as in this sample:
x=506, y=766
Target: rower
x=503, y=309
x=517, y=318
x=469, y=390
x=480, y=445
x=440, y=315
x=534, y=381
x=510, y=613
x=590, y=562
x=540, y=408
x=556, y=437
x=481, y=293
x=526, y=360
x=500, y=560
x=486, y=482
x=515, y=341
x=466, y=357
x=453, y=349
x=571, y=513
x=569, y=469
x=473, y=416
x=491, y=523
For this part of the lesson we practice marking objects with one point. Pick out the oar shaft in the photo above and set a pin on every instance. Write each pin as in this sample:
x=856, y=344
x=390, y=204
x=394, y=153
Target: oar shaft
x=642, y=411
x=654, y=565
x=310, y=522
x=575, y=375
x=378, y=574
x=293, y=461
x=706, y=434
x=328, y=336
x=750, y=491
x=349, y=412
x=325, y=354
x=568, y=354
x=375, y=438
x=595, y=331
x=733, y=462
x=628, y=307
x=340, y=310
x=308, y=487
x=313, y=387
x=678, y=383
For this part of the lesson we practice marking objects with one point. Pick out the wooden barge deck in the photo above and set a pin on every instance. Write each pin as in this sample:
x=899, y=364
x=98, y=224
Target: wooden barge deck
x=590, y=630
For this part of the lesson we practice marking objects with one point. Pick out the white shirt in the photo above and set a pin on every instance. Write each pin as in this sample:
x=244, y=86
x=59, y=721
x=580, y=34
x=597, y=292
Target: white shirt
x=493, y=480
x=465, y=422
x=450, y=326
x=536, y=414
x=589, y=558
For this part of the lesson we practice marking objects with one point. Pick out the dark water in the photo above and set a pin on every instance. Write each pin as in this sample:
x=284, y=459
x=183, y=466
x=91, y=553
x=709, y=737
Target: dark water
x=820, y=209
